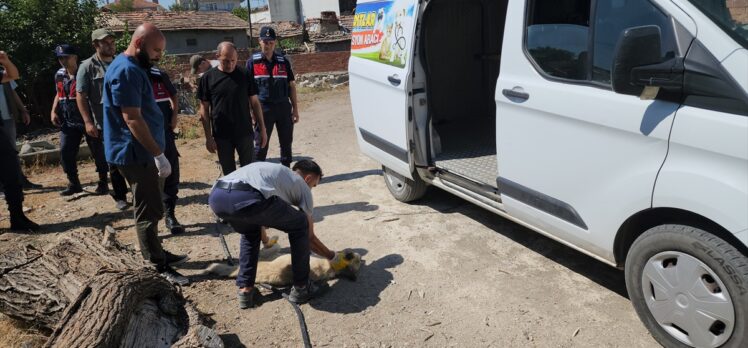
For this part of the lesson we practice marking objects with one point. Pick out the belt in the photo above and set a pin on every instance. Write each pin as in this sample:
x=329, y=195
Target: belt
x=238, y=186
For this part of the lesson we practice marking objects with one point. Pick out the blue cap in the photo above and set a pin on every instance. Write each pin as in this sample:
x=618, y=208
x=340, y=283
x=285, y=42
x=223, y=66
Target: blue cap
x=267, y=33
x=65, y=50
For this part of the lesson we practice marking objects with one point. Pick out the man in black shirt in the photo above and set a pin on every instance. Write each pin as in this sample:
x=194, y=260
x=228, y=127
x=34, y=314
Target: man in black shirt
x=225, y=94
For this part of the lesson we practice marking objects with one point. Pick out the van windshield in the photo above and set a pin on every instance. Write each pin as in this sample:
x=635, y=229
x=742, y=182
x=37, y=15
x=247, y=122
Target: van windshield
x=730, y=15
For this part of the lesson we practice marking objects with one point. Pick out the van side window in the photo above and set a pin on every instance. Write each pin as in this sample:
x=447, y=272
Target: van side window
x=612, y=17
x=558, y=36
x=566, y=39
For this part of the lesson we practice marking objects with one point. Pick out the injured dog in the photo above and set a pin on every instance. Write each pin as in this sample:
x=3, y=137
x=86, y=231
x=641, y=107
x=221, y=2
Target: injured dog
x=277, y=271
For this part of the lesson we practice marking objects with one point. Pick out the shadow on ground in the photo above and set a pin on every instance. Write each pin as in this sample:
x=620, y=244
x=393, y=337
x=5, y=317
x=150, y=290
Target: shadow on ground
x=598, y=272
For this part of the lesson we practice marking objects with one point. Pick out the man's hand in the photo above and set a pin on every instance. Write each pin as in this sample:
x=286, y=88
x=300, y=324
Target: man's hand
x=210, y=144
x=26, y=118
x=55, y=119
x=92, y=130
x=4, y=57
x=163, y=165
x=263, y=137
x=295, y=116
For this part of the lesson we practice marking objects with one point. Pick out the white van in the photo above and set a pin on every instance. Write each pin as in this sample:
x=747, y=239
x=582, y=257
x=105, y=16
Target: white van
x=616, y=127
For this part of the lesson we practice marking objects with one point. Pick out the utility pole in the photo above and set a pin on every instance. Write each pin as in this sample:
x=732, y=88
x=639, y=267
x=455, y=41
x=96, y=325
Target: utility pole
x=249, y=20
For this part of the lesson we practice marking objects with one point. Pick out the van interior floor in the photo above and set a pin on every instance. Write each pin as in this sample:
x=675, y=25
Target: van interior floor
x=469, y=152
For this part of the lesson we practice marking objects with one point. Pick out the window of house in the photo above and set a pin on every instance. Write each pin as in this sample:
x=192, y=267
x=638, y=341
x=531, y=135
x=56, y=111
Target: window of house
x=565, y=42
x=228, y=38
x=191, y=42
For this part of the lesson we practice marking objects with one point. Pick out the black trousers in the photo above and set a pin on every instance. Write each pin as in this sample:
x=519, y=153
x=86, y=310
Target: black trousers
x=244, y=146
x=70, y=143
x=246, y=211
x=279, y=116
x=10, y=172
x=119, y=185
x=146, y=191
x=171, y=184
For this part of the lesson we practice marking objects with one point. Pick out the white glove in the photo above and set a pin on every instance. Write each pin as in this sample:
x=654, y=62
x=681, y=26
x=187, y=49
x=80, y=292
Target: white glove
x=164, y=168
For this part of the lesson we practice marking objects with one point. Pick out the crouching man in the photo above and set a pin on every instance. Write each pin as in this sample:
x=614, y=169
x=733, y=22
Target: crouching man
x=262, y=194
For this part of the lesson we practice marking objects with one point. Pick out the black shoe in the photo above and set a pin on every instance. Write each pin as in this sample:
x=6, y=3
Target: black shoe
x=310, y=291
x=174, y=277
x=247, y=299
x=20, y=223
x=173, y=225
x=173, y=260
x=102, y=188
x=71, y=190
x=28, y=185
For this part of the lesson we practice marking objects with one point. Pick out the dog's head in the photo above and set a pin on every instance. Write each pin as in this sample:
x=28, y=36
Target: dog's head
x=353, y=265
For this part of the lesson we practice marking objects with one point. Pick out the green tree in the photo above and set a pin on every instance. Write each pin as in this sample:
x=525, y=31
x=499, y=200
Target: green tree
x=123, y=41
x=185, y=5
x=122, y=6
x=30, y=31
x=240, y=12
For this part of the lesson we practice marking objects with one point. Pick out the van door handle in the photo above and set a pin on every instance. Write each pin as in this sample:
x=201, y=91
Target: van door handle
x=516, y=93
x=394, y=80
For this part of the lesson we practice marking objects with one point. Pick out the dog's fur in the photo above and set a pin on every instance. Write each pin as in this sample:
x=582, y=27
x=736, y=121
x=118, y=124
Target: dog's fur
x=277, y=271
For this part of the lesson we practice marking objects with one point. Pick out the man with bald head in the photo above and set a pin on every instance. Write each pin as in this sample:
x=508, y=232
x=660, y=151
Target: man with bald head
x=226, y=93
x=134, y=141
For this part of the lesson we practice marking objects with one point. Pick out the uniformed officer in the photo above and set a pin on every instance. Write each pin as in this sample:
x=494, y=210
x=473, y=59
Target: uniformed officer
x=275, y=81
x=67, y=116
x=166, y=99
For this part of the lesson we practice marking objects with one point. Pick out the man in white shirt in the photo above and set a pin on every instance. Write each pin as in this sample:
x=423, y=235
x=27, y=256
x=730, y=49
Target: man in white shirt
x=263, y=194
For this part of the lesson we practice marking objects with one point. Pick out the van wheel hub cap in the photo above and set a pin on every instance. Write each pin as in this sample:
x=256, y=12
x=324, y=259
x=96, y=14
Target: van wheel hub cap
x=688, y=300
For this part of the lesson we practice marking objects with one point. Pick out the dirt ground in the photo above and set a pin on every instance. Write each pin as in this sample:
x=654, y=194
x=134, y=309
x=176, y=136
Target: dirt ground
x=440, y=272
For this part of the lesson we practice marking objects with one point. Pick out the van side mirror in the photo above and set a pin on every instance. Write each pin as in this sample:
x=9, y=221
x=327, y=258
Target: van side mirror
x=637, y=63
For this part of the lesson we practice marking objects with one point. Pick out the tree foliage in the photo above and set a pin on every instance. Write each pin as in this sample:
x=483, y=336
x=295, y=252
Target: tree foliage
x=240, y=12
x=122, y=6
x=30, y=31
x=185, y=5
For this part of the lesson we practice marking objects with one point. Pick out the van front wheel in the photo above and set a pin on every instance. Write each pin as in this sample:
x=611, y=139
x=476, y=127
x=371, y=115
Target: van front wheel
x=402, y=188
x=689, y=287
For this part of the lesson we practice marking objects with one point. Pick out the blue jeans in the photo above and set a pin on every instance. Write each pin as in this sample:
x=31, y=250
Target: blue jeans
x=246, y=211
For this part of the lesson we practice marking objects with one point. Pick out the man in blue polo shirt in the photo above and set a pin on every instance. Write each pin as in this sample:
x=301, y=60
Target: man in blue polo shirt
x=134, y=141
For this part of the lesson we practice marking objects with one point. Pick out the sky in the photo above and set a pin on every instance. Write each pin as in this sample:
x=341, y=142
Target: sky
x=255, y=3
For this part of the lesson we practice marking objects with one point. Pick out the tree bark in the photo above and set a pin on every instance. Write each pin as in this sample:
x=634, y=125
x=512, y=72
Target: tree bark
x=96, y=293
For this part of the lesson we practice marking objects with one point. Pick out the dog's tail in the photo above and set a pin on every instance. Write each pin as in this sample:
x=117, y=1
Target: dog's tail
x=221, y=269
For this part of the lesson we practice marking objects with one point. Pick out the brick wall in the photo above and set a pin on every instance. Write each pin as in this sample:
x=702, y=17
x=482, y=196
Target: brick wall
x=320, y=62
x=739, y=10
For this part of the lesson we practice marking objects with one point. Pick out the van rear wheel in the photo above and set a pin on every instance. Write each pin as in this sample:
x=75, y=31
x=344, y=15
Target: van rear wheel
x=689, y=287
x=402, y=188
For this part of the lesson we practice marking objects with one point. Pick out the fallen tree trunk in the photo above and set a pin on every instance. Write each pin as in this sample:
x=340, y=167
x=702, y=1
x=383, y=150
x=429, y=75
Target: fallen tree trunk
x=94, y=293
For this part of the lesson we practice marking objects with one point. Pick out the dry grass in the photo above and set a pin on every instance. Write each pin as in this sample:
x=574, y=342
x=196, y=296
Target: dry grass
x=14, y=334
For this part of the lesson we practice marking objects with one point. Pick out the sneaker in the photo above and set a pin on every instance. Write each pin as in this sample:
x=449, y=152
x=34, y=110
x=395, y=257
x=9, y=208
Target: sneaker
x=173, y=225
x=247, y=299
x=71, y=190
x=174, y=277
x=173, y=260
x=28, y=185
x=121, y=204
x=102, y=188
x=310, y=291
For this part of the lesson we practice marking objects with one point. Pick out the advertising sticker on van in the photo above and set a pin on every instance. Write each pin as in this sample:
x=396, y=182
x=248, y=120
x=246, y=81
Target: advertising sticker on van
x=381, y=31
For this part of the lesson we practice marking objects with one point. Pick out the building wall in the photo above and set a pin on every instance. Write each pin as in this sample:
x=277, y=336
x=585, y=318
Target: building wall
x=313, y=8
x=283, y=10
x=739, y=10
x=212, y=5
x=204, y=40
